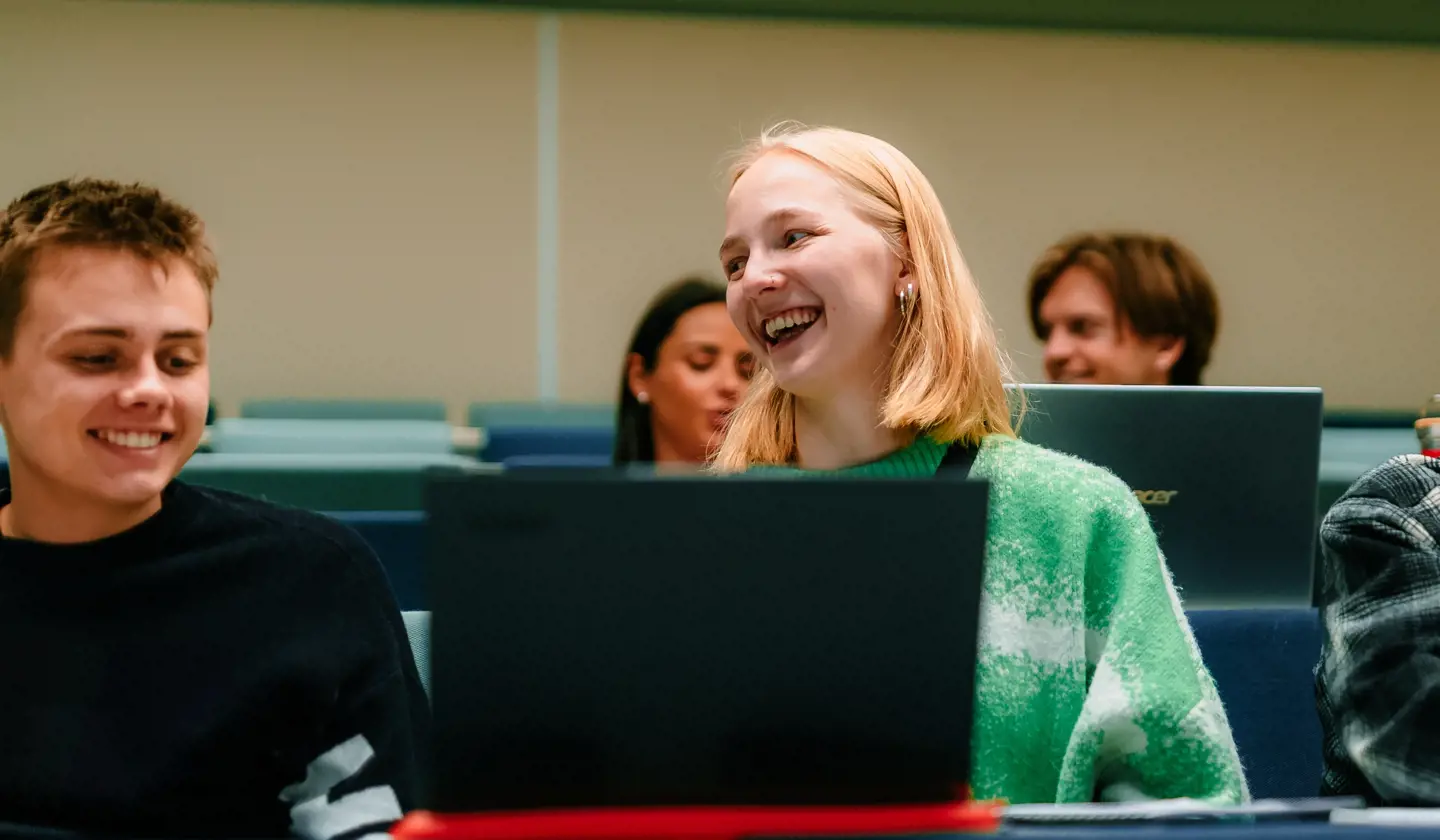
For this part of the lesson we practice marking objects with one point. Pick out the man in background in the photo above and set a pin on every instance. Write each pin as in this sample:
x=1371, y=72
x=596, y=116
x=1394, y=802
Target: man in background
x=1123, y=309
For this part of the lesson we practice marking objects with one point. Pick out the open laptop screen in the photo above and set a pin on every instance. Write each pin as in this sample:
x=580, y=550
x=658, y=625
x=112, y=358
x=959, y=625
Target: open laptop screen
x=607, y=641
x=1228, y=476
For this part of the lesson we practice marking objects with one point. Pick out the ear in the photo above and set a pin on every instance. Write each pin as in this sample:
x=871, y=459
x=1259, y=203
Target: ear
x=635, y=377
x=907, y=271
x=1168, y=350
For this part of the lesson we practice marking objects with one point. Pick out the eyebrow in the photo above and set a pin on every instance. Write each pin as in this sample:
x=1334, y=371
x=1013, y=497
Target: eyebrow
x=781, y=214
x=122, y=332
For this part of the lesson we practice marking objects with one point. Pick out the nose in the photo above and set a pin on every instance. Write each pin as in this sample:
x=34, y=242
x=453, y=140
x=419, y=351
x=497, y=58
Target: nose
x=1059, y=347
x=730, y=384
x=760, y=276
x=146, y=388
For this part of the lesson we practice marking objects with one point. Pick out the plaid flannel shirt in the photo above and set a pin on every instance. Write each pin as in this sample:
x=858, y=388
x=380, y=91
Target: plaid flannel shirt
x=1378, y=681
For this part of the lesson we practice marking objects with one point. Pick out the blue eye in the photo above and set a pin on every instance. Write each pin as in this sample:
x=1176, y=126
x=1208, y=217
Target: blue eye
x=794, y=236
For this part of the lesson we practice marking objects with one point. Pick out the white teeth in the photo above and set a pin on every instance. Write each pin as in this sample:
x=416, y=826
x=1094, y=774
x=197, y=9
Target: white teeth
x=786, y=320
x=133, y=440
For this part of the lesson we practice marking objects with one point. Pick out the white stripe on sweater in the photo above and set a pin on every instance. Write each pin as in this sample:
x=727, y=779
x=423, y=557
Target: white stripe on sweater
x=1009, y=632
x=314, y=815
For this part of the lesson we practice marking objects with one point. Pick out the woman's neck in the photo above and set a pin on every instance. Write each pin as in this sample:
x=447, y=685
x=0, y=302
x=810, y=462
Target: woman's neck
x=843, y=431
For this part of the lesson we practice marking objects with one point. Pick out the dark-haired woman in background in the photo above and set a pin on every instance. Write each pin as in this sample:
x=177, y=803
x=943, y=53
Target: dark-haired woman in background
x=686, y=370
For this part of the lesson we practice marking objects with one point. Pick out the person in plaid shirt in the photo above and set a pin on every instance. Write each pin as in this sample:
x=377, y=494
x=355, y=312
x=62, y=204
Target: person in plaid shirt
x=1378, y=681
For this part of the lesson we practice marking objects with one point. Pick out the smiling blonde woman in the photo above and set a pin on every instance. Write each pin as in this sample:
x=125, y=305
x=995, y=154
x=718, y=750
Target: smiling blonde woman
x=880, y=360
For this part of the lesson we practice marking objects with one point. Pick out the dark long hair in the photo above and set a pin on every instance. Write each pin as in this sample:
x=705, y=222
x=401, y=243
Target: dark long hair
x=634, y=434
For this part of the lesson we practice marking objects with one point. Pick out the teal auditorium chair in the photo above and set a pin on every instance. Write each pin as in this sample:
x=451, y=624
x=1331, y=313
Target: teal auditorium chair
x=1346, y=453
x=1369, y=418
x=592, y=461
x=513, y=445
x=343, y=482
x=1370, y=447
x=264, y=436
x=417, y=628
x=530, y=414
x=544, y=430
x=302, y=409
x=398, y=539
x=333, y=465
x=1263, y=661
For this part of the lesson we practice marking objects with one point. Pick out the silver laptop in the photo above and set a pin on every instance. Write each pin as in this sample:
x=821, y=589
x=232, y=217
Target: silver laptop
x=1228, y=476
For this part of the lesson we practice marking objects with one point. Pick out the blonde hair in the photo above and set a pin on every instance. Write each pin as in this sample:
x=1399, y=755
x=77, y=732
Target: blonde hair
x=947, y=376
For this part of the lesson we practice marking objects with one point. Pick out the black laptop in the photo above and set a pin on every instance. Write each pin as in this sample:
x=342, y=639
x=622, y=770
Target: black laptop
x=1228, y=476
x=610, y=641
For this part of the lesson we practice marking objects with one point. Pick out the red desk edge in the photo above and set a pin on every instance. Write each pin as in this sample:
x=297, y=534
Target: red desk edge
x=700, y=823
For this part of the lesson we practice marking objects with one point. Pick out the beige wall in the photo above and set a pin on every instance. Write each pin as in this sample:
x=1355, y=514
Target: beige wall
x=367, y=174
x=1308, y=178
x=370, y=175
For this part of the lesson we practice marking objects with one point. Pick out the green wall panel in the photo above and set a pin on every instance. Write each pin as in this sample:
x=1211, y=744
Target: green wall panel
x=1415, y=22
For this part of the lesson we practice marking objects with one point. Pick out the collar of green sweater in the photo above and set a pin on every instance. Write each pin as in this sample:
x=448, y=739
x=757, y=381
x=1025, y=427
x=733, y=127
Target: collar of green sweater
x=921, y=458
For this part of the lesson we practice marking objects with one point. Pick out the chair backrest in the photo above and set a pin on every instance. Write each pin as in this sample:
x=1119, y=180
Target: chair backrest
x=503, y=443
x=1263, y=661
x=398, y=539
x=300, y=409
x=329, y=482
x=1365, y=448
x=417, y=627
x=484, y=414
x=550, y=462
x=252, y=436
x=1369, y=418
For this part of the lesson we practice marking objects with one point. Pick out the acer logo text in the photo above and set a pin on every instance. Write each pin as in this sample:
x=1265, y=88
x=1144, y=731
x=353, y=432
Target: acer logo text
x=1156, y=497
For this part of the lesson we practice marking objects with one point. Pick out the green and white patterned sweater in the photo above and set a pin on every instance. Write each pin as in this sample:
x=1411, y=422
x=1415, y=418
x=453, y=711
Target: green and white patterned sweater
x=1089, y=683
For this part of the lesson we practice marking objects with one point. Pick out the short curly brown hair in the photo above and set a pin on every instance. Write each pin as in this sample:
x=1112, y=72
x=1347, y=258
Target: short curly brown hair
x=89, y=212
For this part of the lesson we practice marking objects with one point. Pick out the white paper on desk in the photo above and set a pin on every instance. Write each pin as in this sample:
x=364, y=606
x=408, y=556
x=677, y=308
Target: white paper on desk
x=1419, y=817
x=1175, y=809
x=1107, y=811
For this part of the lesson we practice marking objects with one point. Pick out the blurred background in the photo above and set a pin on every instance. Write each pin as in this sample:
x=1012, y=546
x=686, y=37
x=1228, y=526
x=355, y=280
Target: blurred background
x=464, y=202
